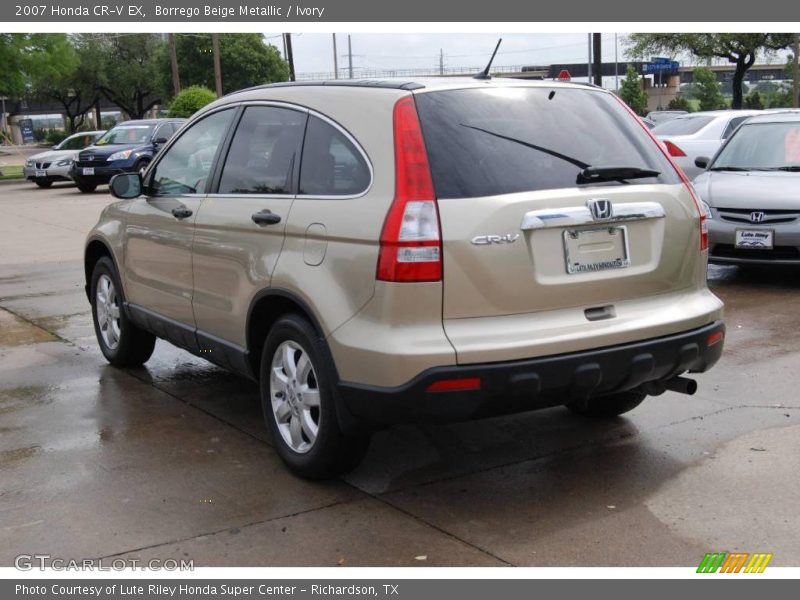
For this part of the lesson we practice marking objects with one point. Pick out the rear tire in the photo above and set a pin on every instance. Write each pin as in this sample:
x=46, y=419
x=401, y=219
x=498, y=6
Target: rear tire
x=87, y=188
x=44, y=184
x=604, y=407
x=298, y=399
x=121, y=342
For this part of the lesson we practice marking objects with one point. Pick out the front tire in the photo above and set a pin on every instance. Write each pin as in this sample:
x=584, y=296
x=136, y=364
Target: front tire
x=121, y=342
x=87, y=188
x=44, y=184
x=604, y=407
x=298, y=400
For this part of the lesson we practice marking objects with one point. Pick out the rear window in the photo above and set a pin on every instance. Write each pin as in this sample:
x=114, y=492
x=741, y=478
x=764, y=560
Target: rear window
x=682, y=126
x=485, y=142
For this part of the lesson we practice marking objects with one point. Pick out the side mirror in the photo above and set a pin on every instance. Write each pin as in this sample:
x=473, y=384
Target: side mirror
x=159, y=141
x=126, y=186
x=701, y=162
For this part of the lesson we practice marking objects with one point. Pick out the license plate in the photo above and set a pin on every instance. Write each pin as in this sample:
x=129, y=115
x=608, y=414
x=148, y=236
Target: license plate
x=754, y=239
x=88, y=170
x=40, y=173
x=590, y=250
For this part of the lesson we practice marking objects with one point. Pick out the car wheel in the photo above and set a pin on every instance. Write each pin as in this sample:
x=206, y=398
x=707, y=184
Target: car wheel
x=121, y=342
x=141, y=166
x=87, y=188
x=44, y=184
x=297, y=397
x=608, y=406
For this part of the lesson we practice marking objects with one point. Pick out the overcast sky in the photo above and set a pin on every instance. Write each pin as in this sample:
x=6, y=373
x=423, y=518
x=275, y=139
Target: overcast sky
x=313, y=52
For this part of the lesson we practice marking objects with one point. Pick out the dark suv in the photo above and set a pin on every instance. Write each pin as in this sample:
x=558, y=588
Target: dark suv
x=128, y=147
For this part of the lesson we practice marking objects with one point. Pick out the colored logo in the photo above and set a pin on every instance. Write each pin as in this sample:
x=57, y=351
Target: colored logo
x=734, y=562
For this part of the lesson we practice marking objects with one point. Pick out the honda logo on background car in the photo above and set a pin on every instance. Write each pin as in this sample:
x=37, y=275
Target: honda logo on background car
x=600, y=208
x=757, y=216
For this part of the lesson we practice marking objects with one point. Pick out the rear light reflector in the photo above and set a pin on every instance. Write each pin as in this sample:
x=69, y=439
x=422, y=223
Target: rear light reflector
x=715, y=338
x=411, y=246
x=455, y=385
x=673, y=149
x=664, y=147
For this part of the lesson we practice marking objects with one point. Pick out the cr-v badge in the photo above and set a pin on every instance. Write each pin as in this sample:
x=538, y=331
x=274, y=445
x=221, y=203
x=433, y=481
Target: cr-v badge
x=485, y=240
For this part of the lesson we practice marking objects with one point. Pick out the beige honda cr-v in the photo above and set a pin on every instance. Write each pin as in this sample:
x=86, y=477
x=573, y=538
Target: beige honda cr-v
x=375, y=252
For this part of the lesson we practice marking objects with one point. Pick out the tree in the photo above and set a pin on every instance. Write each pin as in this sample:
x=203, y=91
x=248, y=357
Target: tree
x=190, y=100
x=707, y=90
x=679, y=103
x=740, y=49
x=631, y=91
x=131, y=71
x=245, y=60
x=12, y=79
x=753, y=101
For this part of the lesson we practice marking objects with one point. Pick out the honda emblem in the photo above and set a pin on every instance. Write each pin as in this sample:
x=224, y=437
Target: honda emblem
x=600, y=208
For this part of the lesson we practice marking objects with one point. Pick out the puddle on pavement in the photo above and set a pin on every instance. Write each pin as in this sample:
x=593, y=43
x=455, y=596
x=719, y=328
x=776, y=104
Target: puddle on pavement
x=10, y=457
x=17, y=332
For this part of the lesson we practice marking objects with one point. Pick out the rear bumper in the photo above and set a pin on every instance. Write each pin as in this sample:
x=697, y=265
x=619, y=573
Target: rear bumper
x=523, y=385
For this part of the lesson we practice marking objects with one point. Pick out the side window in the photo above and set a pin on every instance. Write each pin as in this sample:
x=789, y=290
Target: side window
x=331, y=165
x=732, y=125
x=186, y=166
x=264, y=151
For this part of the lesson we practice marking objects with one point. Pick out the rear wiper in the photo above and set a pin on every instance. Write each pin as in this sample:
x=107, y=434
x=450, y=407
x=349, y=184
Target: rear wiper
x=789, y=168
x=593, y=174
x=569, y=159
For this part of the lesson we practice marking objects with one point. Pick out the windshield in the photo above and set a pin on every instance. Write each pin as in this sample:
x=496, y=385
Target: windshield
x=761, y=146
x=485, y=142
x=78, y=141
x=127, y=134
x=682, y=125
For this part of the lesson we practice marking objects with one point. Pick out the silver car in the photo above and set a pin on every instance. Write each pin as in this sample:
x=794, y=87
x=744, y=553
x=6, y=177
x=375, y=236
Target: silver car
x=751, y=191
x=54, y=165
x=698, y=134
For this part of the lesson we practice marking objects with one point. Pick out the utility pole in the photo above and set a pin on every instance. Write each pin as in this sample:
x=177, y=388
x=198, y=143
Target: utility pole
x=349, y=57
x=335, y=60
x=796, y=71
x=616, y=66
x=289, y=55
x=597, y=54
x=217, y=68
x=173, y=63
x=589, y=59
x=441, y=62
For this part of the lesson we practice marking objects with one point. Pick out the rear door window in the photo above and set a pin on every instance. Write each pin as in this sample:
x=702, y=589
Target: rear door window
x=485, y=142
x=264, y=152
x=734, y=123
x=682, y=125
x=332, y=165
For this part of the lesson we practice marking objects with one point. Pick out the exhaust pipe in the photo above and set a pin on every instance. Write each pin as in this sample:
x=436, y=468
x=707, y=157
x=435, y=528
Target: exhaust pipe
x=682, y=385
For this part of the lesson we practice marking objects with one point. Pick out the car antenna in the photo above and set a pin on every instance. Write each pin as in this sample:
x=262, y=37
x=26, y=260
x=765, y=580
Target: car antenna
x=485, y=73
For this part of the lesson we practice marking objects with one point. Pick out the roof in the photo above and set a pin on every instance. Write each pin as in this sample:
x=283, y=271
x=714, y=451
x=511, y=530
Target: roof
x=152, y=121
x=787, y=116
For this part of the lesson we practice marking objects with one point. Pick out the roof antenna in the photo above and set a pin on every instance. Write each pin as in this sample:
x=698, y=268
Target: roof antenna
x=485, y=73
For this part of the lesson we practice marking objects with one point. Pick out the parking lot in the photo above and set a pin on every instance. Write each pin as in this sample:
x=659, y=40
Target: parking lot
x=173, y=460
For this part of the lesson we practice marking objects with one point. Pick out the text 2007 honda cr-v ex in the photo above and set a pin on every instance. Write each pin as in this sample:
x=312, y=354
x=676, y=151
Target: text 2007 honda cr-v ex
x=375, y=252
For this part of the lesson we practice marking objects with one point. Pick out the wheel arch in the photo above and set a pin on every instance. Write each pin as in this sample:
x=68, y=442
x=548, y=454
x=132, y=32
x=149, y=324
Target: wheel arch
x=97, y=248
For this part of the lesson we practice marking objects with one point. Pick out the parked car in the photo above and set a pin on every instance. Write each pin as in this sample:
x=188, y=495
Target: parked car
x=127, y=147
x=698, y=134
x=662, y=116
x=376, y=252
x=752, y=193
x=55, y=164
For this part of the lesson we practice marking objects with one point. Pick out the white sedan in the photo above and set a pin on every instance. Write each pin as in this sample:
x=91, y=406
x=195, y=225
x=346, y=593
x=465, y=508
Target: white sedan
x=698, y=134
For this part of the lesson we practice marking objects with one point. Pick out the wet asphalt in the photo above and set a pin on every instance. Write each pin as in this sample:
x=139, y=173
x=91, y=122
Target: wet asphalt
x=173, y=461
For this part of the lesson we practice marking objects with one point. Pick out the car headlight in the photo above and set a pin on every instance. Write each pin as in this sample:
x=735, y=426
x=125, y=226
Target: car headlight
x=29, y=163
x=121, y=155
x=706, y=209
x=64, y=163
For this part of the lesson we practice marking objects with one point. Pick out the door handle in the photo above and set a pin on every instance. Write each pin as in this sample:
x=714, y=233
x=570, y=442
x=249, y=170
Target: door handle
x=266, y=217
x=181, y=212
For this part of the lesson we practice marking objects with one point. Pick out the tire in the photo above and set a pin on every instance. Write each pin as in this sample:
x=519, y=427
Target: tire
x=87, y=188
x=605, y=407
x=44, y=184
x=141, y=165
x=314, y=448
x=121, y=342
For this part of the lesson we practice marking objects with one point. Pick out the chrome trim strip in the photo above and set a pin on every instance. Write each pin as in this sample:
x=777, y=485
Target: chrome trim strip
x=571, y=216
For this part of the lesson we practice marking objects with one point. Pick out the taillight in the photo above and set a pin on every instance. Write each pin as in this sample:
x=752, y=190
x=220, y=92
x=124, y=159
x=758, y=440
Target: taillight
x=411, y=245
x=664, y=147
x=673, y=149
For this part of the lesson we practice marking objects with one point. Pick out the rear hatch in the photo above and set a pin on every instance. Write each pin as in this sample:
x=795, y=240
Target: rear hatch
x=527, y=228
